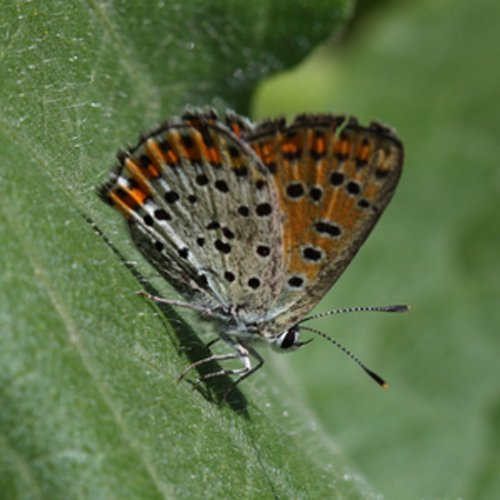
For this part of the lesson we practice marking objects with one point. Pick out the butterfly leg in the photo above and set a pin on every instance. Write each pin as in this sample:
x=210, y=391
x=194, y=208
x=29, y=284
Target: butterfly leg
x=250, y=371
x=241, y=352
x=214, y=357
x=212, y=342
x=177, y=303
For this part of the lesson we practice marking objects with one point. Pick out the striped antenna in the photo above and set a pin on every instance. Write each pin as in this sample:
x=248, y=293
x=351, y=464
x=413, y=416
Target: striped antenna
x=373, y=375
x=357, y=309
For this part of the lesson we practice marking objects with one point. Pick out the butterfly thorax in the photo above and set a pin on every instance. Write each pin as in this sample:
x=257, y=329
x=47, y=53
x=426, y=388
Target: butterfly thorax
x=241, y=325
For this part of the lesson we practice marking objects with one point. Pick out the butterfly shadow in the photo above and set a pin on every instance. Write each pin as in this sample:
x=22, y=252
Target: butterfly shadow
x=188, y=343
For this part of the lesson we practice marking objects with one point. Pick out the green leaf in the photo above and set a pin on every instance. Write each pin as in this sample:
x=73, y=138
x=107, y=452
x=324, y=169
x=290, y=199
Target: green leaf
x=89, y=403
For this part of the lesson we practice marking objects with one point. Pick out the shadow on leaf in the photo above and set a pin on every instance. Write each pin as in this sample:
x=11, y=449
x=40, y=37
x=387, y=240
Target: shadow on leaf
x=189, y=343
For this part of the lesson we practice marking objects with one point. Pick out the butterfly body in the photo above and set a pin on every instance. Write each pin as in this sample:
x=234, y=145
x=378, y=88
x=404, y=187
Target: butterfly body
x=254, y=223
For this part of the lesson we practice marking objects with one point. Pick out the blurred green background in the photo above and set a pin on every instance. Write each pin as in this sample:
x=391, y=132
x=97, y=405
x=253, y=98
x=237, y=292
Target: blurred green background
x=431, y=69
x=89, y=403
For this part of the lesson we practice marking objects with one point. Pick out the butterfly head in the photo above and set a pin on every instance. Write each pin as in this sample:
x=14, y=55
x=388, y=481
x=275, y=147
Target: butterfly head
x=288, y=341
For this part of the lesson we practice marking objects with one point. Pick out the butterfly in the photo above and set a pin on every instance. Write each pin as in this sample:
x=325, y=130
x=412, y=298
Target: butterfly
x=253, y=223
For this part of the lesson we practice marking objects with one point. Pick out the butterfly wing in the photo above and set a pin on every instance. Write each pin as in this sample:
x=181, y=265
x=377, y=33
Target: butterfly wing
x=334, y=180
x=201, y=208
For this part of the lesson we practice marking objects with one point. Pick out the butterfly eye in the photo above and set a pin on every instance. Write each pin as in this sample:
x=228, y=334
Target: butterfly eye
x=288, y=339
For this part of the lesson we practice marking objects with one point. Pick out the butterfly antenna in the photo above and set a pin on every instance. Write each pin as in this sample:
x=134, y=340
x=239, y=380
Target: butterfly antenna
x=358, y=309
x=373, y=375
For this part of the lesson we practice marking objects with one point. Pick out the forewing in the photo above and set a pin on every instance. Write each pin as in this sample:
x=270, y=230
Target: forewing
x=334, y=180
